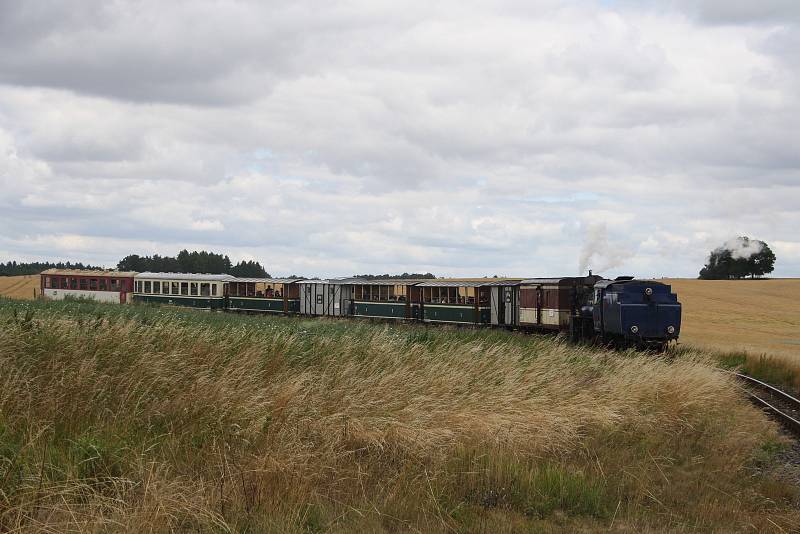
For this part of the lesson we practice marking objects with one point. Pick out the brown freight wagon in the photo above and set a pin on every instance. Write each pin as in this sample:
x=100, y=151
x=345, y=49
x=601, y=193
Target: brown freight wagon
x=548, y=303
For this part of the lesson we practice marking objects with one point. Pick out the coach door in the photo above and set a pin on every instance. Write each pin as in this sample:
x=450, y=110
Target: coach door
x=509, y=305
x=539, y=297
x=123, y=297
x=495, y=305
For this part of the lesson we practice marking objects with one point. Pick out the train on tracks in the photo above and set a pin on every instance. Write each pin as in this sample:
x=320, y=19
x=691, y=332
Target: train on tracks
x=624, y=312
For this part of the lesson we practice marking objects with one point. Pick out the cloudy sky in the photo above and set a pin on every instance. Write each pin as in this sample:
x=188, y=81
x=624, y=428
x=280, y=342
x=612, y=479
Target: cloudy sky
x=463, y=138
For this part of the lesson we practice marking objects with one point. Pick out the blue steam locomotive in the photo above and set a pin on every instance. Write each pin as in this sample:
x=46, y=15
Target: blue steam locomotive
x=625, y=312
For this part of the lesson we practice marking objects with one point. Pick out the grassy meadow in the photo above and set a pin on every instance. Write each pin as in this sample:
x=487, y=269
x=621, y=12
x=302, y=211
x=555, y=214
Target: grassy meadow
x=138, y=419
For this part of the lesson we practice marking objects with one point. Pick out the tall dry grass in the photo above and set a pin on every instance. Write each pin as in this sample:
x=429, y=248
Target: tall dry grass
x=120, y=421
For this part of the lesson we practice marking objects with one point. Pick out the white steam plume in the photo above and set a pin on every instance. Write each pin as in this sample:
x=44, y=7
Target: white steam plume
x=598, y=252
x=742, y=248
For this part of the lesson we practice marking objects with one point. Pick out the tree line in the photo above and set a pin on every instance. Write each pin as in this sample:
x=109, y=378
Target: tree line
x=739, y=258
x=184, y=262
x=404, y=276
x=192, y=262
x=12, y=268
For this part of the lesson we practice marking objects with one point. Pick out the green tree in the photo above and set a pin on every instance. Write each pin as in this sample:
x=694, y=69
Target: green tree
x=762, y=262
x=739, y=258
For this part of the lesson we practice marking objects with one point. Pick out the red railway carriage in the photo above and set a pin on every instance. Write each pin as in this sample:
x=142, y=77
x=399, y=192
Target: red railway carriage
x=548, y=303
x=103, y=286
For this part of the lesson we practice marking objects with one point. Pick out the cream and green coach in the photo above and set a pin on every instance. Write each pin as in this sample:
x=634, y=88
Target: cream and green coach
x=203, y=291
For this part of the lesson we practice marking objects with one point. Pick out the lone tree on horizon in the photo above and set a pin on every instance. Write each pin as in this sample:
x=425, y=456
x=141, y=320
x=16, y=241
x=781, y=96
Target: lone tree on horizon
x=739, y=258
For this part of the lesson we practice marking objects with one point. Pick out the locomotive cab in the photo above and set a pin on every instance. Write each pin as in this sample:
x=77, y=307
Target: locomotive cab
x=638, y=313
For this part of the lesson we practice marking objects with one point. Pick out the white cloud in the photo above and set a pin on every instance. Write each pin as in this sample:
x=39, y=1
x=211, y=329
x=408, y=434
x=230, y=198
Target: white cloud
x=462, y=138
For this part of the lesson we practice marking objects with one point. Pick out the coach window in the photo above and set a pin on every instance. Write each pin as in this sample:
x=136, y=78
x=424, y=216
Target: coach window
x=213, y=290
x=175, y=288
x=205, y=290
x=483, y=295
x=147, y=286
x=193, y=287
x=93, y=284
x=165, y=288
x=184, y=288
x=83, y=283
x=101, y=284
x=157, y=288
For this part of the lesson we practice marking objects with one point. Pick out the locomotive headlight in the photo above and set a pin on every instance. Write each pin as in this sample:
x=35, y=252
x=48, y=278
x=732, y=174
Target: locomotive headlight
x=634, y=329
x=670, y=329
x=648, y=291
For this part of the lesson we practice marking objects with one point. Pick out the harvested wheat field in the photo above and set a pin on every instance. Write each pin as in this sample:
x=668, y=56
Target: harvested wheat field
x=141, y=419
x=19, y=287
x=756, y=316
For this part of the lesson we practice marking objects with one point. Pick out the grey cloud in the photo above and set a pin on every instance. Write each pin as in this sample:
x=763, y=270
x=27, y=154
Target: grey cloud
x=741, y=11
x=462, y=138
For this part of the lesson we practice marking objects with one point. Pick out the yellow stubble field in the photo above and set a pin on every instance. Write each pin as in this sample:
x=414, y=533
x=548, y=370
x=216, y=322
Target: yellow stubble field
x=757, y=316
x=19, y=287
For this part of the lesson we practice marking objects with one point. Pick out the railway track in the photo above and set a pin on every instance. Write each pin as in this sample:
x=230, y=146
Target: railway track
x=784, y=407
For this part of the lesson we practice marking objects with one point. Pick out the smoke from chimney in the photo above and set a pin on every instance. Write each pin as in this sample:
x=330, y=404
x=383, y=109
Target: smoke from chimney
x=599, y=252
x=742, y=248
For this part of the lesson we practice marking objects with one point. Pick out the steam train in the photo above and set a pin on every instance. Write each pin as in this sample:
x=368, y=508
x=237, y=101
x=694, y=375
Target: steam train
x=623, y=312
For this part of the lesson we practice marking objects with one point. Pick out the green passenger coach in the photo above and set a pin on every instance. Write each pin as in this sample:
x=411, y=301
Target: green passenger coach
x=203, y=291
x=270, y=295
x=386, y=299
x=455, y=301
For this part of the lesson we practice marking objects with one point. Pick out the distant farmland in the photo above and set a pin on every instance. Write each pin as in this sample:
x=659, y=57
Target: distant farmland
x=758, y=316
x=19, y=287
